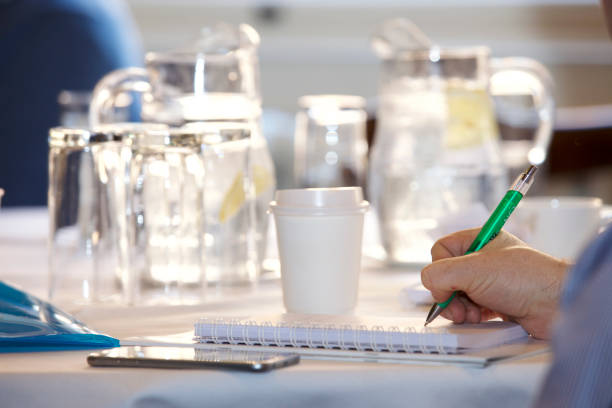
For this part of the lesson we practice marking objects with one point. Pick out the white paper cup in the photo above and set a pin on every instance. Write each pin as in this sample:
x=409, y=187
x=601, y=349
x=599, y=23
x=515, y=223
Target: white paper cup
x=560, y=226
x=319, y=234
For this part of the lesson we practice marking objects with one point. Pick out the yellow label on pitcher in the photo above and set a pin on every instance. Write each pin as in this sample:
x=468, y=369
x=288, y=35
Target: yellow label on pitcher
x=471, y=119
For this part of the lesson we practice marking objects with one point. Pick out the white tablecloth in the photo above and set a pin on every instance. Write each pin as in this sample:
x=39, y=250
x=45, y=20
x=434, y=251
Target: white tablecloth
x=59, y=379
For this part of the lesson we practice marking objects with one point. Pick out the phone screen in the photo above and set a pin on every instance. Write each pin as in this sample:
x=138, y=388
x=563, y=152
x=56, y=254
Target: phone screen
x=189, y=357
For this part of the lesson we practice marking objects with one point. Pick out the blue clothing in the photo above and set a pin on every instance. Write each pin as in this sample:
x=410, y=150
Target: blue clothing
x=581, y=373
x=47, y=46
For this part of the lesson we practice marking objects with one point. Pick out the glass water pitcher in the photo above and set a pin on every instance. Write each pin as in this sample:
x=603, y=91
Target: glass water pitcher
x=437, y=150
x=216, y=80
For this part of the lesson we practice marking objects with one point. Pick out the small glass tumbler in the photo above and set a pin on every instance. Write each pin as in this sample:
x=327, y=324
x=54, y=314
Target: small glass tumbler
x=114, y=175
x=330, y=141
x=229, y=200
x=86, y=256
x=166, y=216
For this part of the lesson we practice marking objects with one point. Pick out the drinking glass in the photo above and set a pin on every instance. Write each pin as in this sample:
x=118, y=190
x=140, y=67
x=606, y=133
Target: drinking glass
x=115, y=182
x=87, y=258
x=166, y=220
x=330, y=141
x=229, y=194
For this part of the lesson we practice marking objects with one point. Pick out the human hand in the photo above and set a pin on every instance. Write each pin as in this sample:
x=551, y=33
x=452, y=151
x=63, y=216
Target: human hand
x=505, y=279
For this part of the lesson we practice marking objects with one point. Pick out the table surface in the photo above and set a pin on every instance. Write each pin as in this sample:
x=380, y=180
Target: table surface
x=64, y=379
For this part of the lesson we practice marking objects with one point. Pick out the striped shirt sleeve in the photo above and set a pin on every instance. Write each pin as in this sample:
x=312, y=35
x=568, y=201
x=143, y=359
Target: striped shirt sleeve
x=581, y=373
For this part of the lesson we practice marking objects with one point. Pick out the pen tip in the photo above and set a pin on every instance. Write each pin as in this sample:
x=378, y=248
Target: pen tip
x=530, y=172
x=426, y=323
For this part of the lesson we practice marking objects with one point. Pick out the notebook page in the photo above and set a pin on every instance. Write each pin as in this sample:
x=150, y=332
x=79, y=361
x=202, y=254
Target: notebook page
x=355, y=333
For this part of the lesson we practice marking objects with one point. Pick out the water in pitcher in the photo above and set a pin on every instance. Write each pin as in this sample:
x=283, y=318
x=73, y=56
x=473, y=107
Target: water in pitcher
x=410, y=208
x=426, y=166
x=240, y=183
x=436, y=152
x=236, y=193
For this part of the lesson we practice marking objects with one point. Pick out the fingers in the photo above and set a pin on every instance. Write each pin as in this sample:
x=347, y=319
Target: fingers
x=514, y=282
x=472, y=311
x=468, y=272
x=462, y=310
x=471, y=274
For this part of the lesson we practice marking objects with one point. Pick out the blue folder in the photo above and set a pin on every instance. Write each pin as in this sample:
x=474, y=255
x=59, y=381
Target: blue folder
x=31, y=324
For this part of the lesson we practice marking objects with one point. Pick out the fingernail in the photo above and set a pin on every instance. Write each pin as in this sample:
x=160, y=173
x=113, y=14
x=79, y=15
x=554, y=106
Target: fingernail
x=425, y=277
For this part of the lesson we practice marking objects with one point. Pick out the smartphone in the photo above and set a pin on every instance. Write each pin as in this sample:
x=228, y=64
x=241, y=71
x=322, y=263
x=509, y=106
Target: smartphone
x=190, y=357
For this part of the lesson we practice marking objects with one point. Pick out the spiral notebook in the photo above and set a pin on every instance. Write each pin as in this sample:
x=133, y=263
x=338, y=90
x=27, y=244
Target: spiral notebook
x=387, y=338
x=357, y=339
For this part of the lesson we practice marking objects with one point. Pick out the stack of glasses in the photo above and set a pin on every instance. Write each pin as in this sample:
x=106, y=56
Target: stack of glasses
x=146, y=213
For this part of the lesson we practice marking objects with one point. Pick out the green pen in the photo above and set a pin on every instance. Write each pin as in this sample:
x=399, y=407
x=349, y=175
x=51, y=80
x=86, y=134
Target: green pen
x=492, y=227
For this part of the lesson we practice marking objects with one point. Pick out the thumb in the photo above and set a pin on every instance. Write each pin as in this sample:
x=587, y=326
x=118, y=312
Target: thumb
x=455, y=244
x=458, y=243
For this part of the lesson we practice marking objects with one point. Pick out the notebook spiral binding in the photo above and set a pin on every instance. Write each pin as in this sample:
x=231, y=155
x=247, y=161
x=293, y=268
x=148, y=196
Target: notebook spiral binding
x=316, y=335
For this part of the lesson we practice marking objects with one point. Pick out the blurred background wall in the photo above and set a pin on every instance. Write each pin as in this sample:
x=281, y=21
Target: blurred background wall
x=322, y=46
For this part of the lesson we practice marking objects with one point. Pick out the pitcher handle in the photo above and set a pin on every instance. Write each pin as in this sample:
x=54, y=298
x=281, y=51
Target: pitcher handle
x=131, y=79
x=511, y=74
